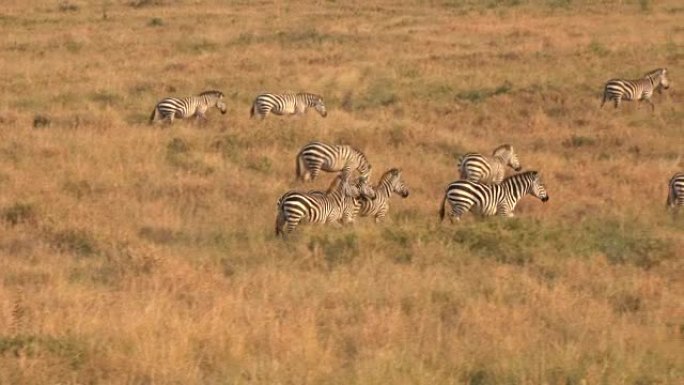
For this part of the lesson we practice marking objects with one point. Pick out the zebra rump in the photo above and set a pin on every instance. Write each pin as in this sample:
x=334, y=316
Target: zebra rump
x=675, y=195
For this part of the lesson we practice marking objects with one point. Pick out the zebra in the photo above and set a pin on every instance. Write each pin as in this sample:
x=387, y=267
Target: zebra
x=675, y=194
x=316, y=156
x=181, y=108
x=332, y=206
x=495, y=199
x=286, y=104
x=637, y=89
x=475, y=167
x=389, y=183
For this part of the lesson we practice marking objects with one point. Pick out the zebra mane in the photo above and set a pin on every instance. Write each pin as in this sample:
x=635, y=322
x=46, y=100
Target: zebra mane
x=656, y=72
x=216, y=93
x=308, y=94
x=523, y=175
x=389, y=174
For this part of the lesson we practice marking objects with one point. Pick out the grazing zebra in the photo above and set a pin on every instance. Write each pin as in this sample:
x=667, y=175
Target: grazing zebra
x=317, y=156
x=495, y=199
x=675, y=194
x=638, y=89
x=286, y=104
x=331, y=206
x=389, y=183
x=476, y=167
x=181, y=108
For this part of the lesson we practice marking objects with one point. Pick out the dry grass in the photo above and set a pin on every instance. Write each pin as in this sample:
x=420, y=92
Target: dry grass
x=132, y=254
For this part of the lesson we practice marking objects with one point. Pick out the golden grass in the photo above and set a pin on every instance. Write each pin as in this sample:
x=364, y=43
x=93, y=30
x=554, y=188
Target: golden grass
x=133, y=254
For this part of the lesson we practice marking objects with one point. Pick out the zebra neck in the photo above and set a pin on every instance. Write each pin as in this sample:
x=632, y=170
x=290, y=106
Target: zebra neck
x=384, y=190
x=515, y=189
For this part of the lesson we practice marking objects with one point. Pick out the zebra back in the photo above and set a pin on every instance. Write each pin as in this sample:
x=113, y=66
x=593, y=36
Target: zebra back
x=476, y=167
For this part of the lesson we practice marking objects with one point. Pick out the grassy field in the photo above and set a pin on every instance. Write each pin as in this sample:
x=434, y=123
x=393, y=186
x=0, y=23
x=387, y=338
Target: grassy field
x=134, y=254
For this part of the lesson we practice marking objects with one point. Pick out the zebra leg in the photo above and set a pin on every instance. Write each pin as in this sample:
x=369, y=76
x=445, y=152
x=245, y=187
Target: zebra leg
x=652, y=105
x=168, y=119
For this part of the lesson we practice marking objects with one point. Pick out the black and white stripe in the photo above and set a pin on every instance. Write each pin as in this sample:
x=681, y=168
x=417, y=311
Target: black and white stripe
x=493, y=199
x=675, y=194
x=475, y=167
x=637, y=89
x=169, y=109
x=390, y=183
x=334, y=205
x=317, y=156
x=287, y=104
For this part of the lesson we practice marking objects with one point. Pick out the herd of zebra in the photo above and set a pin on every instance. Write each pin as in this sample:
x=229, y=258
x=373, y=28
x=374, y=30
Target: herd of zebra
x=482, y=187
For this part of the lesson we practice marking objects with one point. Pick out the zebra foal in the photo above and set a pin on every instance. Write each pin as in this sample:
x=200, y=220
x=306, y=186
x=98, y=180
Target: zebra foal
x=172, y=108
x=475, y=167
x=334, y=205
x=675, y=194
x=637, y=89
x=316, y=156
x=287, y=104
x=495, y=199
x=390, y=183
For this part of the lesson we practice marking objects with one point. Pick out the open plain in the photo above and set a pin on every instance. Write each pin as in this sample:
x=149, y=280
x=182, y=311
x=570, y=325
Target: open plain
x=138, y=254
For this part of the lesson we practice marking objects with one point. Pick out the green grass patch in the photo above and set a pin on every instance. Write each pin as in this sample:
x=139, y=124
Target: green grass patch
x=480, y=95
x=336, y=250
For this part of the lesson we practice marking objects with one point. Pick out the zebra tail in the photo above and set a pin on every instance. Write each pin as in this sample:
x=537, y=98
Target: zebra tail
x=298, y=166
x=441, y=208
x=251, y=111
x=154, y=114
x=279, y=223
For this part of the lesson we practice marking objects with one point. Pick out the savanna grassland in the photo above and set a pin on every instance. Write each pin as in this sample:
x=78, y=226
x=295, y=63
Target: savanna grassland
x=136, y=254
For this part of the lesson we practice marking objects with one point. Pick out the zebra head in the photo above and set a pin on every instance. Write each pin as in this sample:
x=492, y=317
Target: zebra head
x=537, y=187
x=659, y=79
x=318, y=105
x=366, y=191
x=340, y=185
x=395, y=184
x=508, y=155
x=215, y=98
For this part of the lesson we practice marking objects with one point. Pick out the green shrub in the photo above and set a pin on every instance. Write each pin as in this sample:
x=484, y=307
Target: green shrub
x=18, y=213
x=75, y=241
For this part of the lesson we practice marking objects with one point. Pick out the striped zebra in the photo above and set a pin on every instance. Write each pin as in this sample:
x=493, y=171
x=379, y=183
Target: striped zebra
x=475, y=167
x=495, y=199
x=389, y=183
x=317, y=156
x=181, y=108
x=675, y=194
x=637, y=89
x=287, y=104
x=333, y=206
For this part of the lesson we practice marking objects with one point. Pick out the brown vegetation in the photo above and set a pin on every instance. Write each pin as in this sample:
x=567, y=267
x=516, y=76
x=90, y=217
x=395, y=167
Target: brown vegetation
x=132, y=254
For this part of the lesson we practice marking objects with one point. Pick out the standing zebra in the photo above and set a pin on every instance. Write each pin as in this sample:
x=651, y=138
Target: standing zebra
x=317, y=156
x=286, y=104
x=675, y=194
x=638, y=89
x=181, y=108
x=320, y=207
x=389, y=183
x=475, y=167
x=495, y=199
